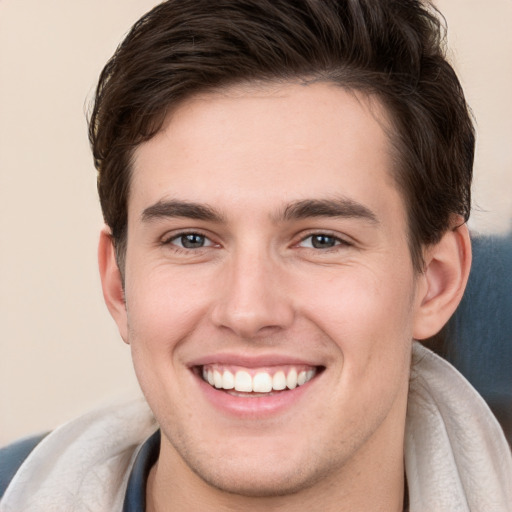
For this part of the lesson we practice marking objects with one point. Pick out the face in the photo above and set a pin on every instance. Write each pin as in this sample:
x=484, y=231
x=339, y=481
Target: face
x=267, y=251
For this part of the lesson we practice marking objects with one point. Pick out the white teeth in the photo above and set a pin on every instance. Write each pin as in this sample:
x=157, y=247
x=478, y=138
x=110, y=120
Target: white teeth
x=291, y=379
x=228, y=381
x=279, y=381
x=262, y=382
x=243, y=382
x=217, y=379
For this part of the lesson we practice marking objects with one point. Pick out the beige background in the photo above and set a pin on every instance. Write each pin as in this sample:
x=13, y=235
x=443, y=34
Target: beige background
x=60, y=353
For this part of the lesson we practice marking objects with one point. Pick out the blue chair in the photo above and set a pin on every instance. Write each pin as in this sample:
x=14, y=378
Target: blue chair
x=478, y=338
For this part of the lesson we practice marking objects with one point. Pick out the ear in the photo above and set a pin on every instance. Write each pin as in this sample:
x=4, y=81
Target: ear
x=111, y=282
x=443, y=282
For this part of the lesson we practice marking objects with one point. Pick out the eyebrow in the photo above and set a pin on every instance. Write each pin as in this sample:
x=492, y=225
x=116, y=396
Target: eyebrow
x=174, y=208
x=340, y=207
x=303, y=209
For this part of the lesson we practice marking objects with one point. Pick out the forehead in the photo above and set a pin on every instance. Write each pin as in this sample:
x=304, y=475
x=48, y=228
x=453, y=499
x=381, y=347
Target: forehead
x=264, y=144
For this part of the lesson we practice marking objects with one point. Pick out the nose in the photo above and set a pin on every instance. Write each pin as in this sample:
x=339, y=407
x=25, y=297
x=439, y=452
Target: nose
x=253, y=301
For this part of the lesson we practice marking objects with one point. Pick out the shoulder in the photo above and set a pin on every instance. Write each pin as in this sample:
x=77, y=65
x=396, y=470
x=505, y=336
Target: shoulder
x=13, y=456
x=84, y=463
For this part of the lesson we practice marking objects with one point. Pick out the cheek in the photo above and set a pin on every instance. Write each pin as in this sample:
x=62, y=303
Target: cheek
x=164, y=306
x=357, y=300
x=368, y=316
x=164, y=310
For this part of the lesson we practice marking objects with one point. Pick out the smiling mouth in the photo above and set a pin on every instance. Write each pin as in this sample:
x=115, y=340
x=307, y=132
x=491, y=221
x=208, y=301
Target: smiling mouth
x=257, y=382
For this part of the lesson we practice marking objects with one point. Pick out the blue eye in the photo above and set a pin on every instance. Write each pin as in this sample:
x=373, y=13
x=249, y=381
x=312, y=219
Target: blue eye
x=191, y=241
x=321, y=241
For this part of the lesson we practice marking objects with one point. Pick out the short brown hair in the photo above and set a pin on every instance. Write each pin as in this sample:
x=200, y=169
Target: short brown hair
x=391, y=48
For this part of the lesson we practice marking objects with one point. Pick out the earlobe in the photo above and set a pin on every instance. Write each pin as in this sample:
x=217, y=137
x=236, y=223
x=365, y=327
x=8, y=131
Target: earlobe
x=111, y=282
x=447, y=266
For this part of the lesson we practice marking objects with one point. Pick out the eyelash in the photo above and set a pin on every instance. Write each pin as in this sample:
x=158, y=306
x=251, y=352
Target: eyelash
x=338, y=242
x=336, y=239
x=169, y=241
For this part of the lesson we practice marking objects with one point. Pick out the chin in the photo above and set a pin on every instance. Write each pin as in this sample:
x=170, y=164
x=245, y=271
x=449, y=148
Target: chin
x=256, y=467
x=262, y=482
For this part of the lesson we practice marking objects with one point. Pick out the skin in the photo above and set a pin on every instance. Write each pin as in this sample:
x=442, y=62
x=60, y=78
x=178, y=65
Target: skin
x=258, y=287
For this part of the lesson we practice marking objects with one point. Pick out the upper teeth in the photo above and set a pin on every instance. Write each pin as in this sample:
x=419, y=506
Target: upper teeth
x=260, y=382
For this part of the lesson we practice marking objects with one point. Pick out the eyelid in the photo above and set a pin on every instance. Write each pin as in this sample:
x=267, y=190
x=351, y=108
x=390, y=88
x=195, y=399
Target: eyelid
x=340, y=240
x=169, y=238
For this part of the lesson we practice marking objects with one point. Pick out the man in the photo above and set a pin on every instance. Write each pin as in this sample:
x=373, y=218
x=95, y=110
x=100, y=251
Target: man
x=285, y=186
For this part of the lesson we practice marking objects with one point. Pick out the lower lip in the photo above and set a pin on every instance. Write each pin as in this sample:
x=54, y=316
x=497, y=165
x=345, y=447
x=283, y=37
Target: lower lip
x=256, y=406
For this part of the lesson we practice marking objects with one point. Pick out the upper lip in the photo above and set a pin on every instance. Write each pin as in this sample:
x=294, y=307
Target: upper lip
x=252, y=361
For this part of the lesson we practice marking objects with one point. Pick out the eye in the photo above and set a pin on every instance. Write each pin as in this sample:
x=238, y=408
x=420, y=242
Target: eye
x=190, y=241
x=321, y=241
